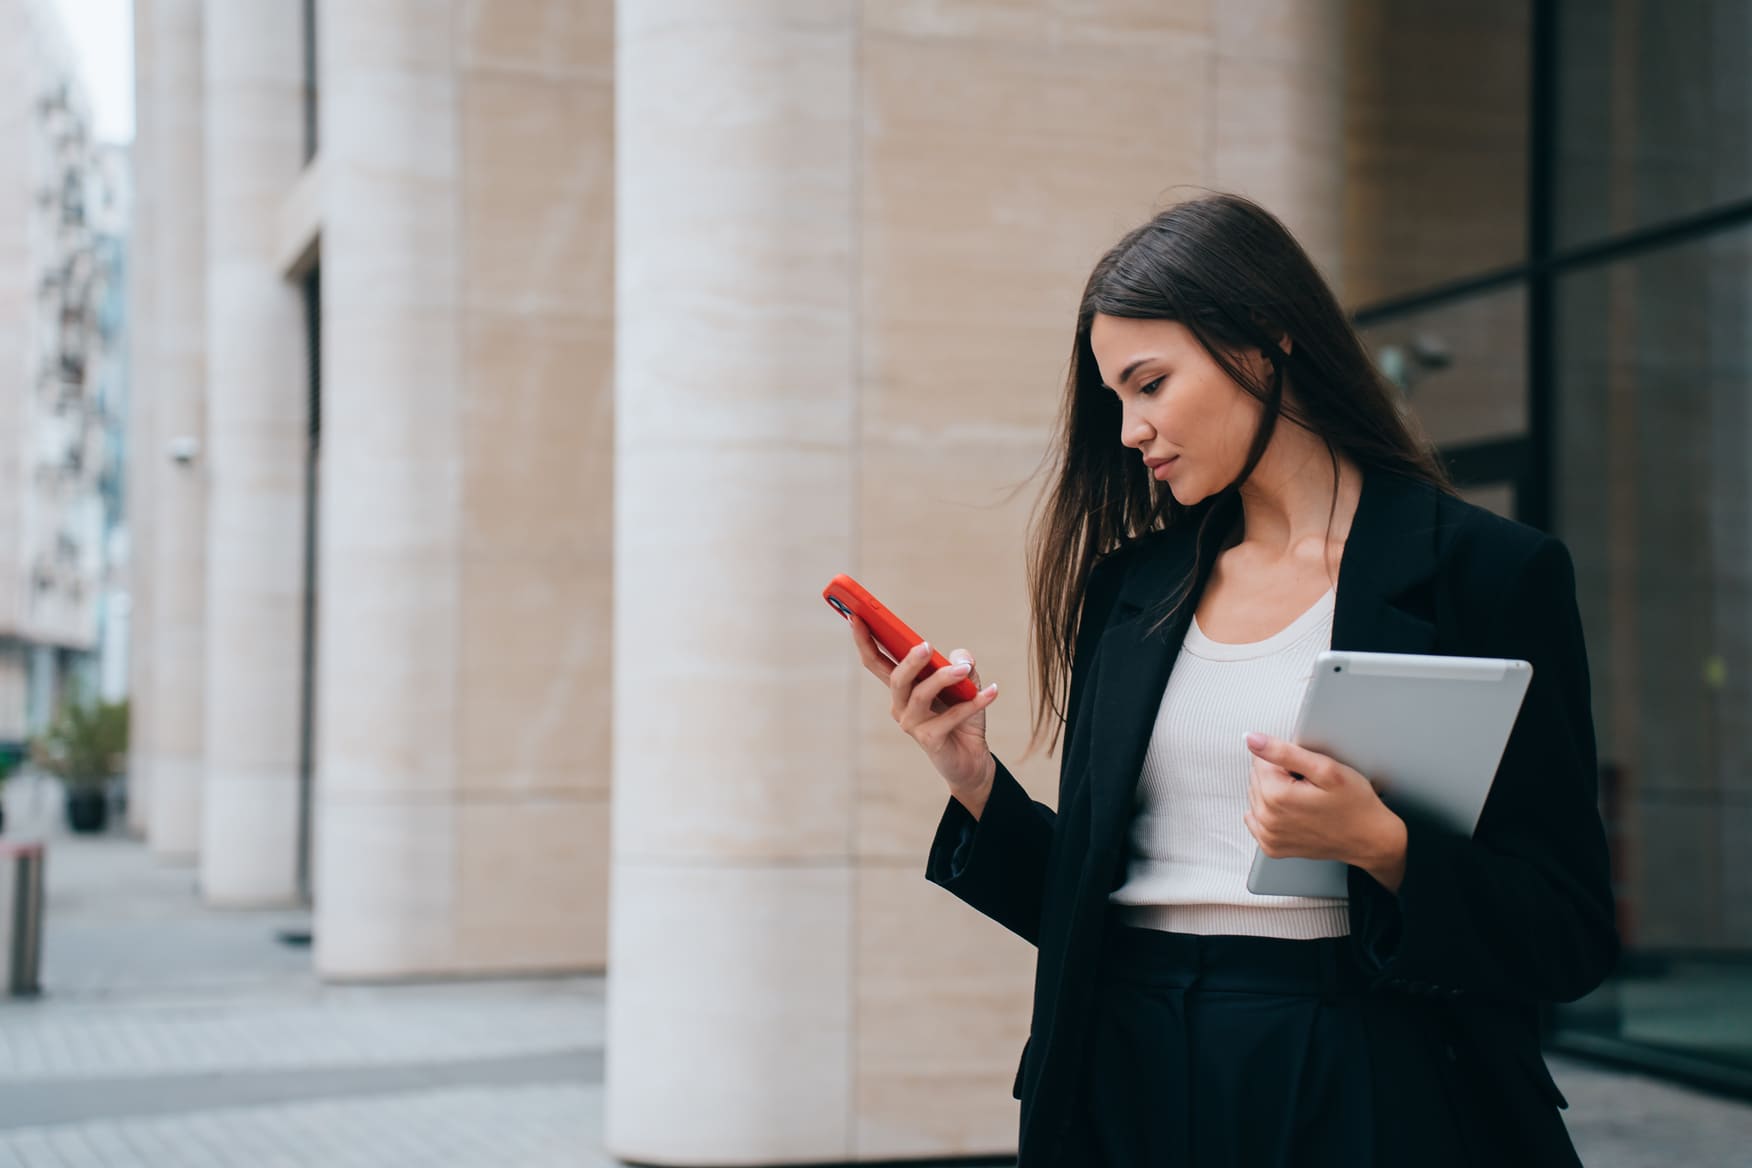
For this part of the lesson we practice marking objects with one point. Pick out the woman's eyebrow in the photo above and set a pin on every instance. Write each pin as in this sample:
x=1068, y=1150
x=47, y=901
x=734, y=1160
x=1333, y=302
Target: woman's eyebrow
x=1125, y=374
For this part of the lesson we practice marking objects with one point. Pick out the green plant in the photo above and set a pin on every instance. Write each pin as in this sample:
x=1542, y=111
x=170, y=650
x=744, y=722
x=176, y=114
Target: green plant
x=86, y=744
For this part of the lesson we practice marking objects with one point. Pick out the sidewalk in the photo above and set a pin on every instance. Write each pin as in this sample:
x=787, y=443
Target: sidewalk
x=172, y=1036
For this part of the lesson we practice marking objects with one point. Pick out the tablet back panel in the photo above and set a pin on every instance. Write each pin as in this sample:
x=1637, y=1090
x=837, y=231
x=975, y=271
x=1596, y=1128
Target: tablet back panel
x=1429, y=731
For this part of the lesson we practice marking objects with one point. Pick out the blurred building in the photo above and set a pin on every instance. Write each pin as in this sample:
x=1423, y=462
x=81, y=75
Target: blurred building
x=63, y=226
x=416, y=582
x=110, y=209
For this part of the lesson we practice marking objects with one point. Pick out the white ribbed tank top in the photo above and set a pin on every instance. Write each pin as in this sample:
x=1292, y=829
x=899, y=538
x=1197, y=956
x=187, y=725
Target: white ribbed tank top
x=1190, y=849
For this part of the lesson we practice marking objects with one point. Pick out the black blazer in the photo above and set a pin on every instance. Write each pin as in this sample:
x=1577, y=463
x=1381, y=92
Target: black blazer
x=1483, y=929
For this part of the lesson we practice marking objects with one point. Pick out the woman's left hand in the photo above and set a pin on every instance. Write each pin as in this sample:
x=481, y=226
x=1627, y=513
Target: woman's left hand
x=1332, y=813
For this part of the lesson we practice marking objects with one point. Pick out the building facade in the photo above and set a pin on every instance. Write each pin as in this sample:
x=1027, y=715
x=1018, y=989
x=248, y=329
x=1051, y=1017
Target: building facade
x=62, y=251
x=511, y=376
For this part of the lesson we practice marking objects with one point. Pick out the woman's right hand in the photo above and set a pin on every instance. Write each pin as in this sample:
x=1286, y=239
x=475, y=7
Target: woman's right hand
x=951, y=735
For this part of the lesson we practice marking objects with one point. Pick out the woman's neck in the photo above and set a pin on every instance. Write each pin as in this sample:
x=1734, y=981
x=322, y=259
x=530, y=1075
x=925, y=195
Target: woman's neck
x=1288, y=502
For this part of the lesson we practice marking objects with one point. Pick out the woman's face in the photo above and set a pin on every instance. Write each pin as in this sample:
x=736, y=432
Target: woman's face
x=1176, y=403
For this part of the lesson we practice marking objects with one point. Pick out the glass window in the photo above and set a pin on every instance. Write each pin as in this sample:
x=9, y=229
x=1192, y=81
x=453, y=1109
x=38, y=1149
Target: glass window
x=1654, y=113
x=1498, y=497
x=1461, y=366
x=1436, y=104
x=1654, y=499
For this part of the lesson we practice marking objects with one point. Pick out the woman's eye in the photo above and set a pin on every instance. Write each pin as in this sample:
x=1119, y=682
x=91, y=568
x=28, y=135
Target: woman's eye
x=1150, y=387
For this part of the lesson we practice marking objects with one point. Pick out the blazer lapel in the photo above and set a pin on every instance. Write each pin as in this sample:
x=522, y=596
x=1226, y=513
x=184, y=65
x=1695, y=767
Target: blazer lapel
x=1383, y=605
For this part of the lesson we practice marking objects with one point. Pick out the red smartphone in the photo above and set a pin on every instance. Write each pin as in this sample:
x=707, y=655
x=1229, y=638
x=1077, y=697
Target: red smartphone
x=849, y=599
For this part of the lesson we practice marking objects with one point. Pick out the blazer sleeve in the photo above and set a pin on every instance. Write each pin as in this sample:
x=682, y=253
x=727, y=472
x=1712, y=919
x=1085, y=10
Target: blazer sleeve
x=997, y=863
x=1522, y=910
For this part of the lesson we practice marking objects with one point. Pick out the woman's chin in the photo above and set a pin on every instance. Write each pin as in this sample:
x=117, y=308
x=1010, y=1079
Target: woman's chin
x=1185, y=494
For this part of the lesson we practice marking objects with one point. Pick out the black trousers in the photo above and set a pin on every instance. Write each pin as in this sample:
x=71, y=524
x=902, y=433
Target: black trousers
x=1225, y=1052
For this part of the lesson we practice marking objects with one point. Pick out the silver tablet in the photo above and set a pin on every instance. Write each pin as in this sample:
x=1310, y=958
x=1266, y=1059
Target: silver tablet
x=1429, y=730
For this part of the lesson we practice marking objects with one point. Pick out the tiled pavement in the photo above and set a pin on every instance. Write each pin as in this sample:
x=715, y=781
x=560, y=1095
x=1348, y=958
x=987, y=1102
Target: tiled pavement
x=171, y=1036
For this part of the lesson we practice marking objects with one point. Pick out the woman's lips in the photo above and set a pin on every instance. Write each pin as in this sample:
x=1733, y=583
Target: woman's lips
x=1162, y=469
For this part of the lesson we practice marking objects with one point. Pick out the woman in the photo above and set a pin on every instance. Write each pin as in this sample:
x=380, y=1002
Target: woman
x=1238, y=490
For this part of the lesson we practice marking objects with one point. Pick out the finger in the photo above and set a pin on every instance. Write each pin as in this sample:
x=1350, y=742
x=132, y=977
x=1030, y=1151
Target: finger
x=1278, y=792
x=873, y=658
x=917, y=659
x=906, y=671
x=1263, y=797
x=960, y=711
x=1260, y=836
x=957, y=656
x=924, y=694
x=943, y=720
x=1308, y=764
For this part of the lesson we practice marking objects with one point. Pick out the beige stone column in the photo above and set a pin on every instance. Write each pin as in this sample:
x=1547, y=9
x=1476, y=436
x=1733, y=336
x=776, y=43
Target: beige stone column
x=731, y=950
x=389, y=508
x=176, y=381
x=463, y=594
x=257, y=436
x=143, y=461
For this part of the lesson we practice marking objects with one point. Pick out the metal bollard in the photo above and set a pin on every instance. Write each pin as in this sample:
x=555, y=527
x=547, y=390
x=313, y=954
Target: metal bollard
x=21, y=918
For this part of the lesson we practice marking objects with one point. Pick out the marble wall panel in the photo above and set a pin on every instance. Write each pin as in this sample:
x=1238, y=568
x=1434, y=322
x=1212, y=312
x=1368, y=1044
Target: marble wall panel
x=1279, y=131
x=549, y=37
x=951, y=564
x=537, y=436
x=532, y=883
x=535, y=302
x=533, y=691
x=538, y=195
x=994, y=178
x=941, y=1015
x=1029, y=27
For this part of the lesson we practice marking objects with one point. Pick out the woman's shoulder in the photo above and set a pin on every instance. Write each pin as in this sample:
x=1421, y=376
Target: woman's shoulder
x=1471, y=535
x=1491, y=559
x=1481, y=533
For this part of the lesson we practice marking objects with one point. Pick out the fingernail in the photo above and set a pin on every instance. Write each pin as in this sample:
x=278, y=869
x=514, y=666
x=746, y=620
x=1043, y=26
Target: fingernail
x=1255, y=740
x=992, y=688
x=964, y=667
x=924, y=647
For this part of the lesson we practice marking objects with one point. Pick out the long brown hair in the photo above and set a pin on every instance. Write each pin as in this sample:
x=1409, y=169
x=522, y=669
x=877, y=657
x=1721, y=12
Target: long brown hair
x=1229, y=271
